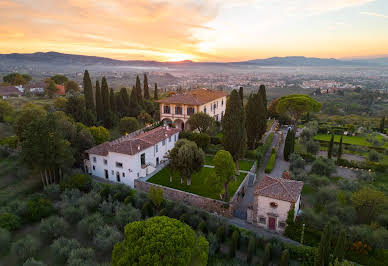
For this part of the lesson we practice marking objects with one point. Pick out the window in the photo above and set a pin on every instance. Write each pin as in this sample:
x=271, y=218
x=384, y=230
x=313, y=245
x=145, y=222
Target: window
x=211, y=107
x=113, y=172
x=94, y=159
x=282, y=224
x=94, y=167
x=262, y=220
x=222, y=102
x=105, y=161
x=166, y=109
x=178, y=110
x=190, y=110
x=142, y=159
x=138, y=174
x=123, y=174
x=174, y=138
x=216, y=117
x=169, y=139
x=164, y=142
x=204, y=109
x=222, y=114
x=156, y=148
x=214, y=107
x=120, y=165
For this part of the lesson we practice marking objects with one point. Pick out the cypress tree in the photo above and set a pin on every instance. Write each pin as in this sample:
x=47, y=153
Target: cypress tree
x=251, y=248
x=323, y=254
x=255, y=114
x=339, y=153
x=339, y=250
x=241, y=93
x=267, y=254
x=287, y=145
x=138, y=91
x=292, y=141
x=88, y=91
x=134, y=108
x=156, y=92
x=112, y=101
x=99, y=104
x=105, y=95
x=330, y=147
x=233, y=125
x=263, y=95
x=285, y=258
x=382, y=124
x=146, y=89
x=120, y=106
x=124, y=96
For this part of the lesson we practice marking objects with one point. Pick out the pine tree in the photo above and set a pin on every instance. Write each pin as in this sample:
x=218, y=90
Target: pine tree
x=339, y=250
x=88, y=91
x=241, y=93
x=323, y=254
x=255, y=114
x=99, y=104
x=263, y=95
x=138, y=91
x=105, y=95
x=233, y=125
x=330, y=148
x=112, y=101
x=146, y=89
x=382, y=124
x=156, y=92
x=339, y=153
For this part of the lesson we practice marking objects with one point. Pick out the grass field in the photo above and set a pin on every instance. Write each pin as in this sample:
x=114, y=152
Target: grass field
x=198, y=185
x=242, y=164
x=352, y=140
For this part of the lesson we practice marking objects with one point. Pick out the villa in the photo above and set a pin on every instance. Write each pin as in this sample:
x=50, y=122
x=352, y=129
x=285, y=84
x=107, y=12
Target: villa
x=132, y=156
x=178, y=108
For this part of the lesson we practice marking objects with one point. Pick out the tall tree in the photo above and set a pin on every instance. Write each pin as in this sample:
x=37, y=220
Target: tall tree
x=59, y=79
x=339, y=250
x=256, y=115
x=88, y=91
x=133, y=107
x=263, y=95
x=71, y=86
x=105, y=95
x=99, y=104
x=241, y=93
x=156, y=92
x=323, y=255
x=201, y=121
x=225, y=169
x=233, y=127
x=139, y=95
x=51, y=89
x=112, y=100
x=330, y=147
x=382, y=124
x=146, y=89
x=287, y=145
x=339, y=153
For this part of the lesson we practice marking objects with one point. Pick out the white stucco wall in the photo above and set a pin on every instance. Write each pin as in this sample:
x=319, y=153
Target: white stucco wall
x=131, y=164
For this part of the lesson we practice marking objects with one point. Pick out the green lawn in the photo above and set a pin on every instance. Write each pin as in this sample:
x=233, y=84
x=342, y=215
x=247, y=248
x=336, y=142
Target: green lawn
x=353, y=140
x=198, y=185
x=242, y=164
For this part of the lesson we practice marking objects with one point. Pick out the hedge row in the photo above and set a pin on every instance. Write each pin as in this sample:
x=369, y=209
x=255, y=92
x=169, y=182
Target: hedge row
x=271, y=162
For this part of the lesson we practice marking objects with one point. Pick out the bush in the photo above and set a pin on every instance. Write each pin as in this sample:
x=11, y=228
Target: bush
x=71, y=196
x=147, y=210
x=267, y=254
x=214, y=245
x=25, y=247
x=156, y=196
x=312, y=147
x=374, y=156
x=318, y=181
x=296, y=162
x=125, y=214
x=80, y=181
x=52, y=191
x=106, y=237
x=73, y=214
x=90, y=224
x=52, y=227
x=33, y=262
x=271, y=162
x=215, y=140
x=202, y=227
x=106, y=208
x=5, y=240
x=9, y=221
x=201, y=139
x=90, y=201
x=285, y=258
x=19, y=208
x=62, y=248
x=323, y=166
x=221, y=233
x=251, y=249
x=39, y=208
x=304, y=254
x=163, y=212
x=82, y=256
x=128, y=125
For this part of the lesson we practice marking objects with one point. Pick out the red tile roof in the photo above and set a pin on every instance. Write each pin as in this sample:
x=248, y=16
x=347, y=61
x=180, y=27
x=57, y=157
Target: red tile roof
x=279, y=188
x=61, y=89
x=194, y=97
x=134, y=144
x=9, y=91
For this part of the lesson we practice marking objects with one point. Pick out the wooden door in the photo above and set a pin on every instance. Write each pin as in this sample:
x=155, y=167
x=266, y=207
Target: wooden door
x=271, y=223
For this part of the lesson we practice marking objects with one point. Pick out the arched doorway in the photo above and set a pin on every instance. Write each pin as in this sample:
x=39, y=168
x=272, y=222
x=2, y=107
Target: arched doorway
x=167, y=121
x=179, y=124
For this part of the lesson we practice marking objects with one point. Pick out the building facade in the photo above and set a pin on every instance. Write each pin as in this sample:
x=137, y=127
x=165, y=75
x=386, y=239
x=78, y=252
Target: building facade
x=178, y=108
x=273, y=198
x=132, y=156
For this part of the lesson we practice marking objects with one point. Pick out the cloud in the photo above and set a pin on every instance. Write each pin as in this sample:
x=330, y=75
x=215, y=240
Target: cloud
x=373, y=14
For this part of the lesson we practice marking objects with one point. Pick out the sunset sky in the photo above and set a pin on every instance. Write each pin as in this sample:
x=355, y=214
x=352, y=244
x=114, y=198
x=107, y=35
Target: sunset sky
x=199, y=30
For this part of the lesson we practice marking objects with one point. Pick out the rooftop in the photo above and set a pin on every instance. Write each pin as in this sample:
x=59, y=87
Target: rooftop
x=131, y=144
x=194, y=97
x=279, y=188
x=9, y=91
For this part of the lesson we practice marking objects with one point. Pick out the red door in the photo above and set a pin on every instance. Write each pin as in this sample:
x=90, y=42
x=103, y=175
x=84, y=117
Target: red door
x=271, y=223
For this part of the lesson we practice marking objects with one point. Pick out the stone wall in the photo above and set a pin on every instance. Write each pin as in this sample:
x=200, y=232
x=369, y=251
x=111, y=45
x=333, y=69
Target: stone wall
x=243, y=187
x=210, y=205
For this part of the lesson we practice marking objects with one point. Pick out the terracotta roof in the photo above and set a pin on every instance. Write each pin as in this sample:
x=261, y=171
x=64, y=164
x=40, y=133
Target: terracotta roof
x=61, y=89
x=9, y=91
x=279, y=188
x=194, y=97
x=133, y=145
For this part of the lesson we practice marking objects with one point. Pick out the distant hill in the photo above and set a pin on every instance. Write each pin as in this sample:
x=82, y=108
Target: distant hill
x=61, y=60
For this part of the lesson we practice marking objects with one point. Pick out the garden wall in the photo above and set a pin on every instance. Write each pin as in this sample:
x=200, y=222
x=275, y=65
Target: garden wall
x=210, y=205
x=243, y=187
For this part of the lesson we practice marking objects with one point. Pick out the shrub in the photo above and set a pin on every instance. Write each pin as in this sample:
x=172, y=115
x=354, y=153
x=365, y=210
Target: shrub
x=267, y=254
x=236, y=239
x=90, y=201
x=318, y=181
x=163, y=212
x=62, y=248
x=312, y=147
x=90, y=224
x=39, y=208
x=52, y=227
x=251, y=248
x=25, y=247
x=374, y=156
x=285, y=258
x=147, y=210
x=120, y=192
x=33, y=262
x=106, y=237
x=80, y=181
x=202, y=227
x=215, y=140
x=125, y=214
x=296, y=162
x=221, y=233
x=276, y=248
x=9, y=221
x=106, y=208
x=5, y=240
x=322, y=166
x=82, y=256
x=271, y=162
x=73, y=214
x=19, y=208
x=53, y=191
x=214, y=245
x=128, y=125
x=156, y=196
x=303, y=253
x=260, y=243
x=71, y=196
x=201, y=139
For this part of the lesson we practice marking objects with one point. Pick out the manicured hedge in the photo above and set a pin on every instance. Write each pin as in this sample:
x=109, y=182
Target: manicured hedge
x=271, y=162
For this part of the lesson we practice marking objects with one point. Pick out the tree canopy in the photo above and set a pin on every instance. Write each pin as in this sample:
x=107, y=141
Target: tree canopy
x=16, y=79
x=100, y=134
x=225, y=168
x=256, y=114
x=88, y=91
x=71, y=86
x=128, y=125
x=160, y=241
x=201, y=121
x=59, y=79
